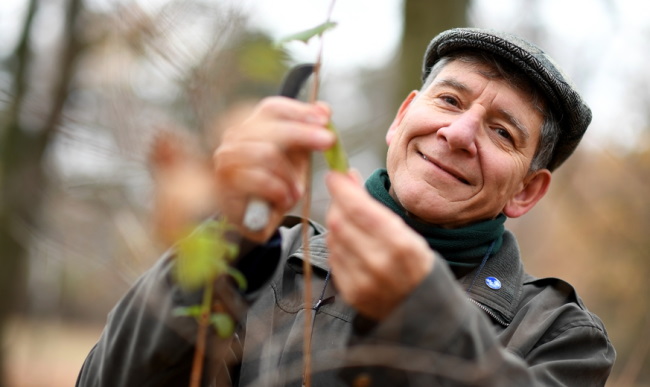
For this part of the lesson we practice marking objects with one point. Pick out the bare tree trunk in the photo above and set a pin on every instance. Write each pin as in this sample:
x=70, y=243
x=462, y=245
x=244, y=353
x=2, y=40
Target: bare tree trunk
x=12, y=267
x=22, y=176
x=424, y=19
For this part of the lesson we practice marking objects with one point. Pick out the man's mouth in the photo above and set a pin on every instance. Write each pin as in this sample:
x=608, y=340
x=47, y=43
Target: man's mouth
x=447, y=170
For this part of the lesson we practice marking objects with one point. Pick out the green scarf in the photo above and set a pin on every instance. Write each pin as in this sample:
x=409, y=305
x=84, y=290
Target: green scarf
x=462, y=247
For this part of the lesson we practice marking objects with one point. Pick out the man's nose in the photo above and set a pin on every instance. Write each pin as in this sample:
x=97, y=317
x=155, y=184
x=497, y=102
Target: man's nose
x=462, y=131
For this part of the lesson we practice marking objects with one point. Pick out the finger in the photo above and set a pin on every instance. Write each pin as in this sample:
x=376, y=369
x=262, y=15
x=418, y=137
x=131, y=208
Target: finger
x=359, y=207
x=289, y=167
x=285, y=134
x=294, y=110
x=355, y=244
x=347, y=271
x=297, y=135
x=276, y=180
x=297, y=123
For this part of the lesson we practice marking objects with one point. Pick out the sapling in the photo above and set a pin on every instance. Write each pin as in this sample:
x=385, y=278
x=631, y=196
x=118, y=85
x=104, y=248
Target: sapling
x=336, y=160
x=206, y=253
x=185, y=192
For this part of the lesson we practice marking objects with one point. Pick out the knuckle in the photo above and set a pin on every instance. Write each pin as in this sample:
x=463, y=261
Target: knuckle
x=276, y=191
x=271, y=104
x=223, y=158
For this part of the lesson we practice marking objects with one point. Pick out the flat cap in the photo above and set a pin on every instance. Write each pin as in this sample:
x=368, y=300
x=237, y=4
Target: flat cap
x=573, y=113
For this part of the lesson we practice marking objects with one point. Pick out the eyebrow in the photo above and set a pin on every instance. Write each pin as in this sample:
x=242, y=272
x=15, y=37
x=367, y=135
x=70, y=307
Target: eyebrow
x=454, y=84
x=462, y=87
x=521, y=128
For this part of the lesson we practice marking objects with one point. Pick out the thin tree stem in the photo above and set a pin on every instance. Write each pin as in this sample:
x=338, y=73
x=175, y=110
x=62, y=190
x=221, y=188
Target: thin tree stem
x=201, y=338
x=306, y=212
x=306, y=209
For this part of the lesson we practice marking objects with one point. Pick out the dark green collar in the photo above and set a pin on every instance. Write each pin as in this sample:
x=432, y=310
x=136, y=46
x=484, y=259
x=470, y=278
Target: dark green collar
x=461, y=247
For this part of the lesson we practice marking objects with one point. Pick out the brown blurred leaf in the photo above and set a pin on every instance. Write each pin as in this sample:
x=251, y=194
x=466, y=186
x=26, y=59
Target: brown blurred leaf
x=184, y=186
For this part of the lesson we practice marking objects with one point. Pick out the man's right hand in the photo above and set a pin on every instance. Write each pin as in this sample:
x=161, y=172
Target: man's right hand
x=266, y=157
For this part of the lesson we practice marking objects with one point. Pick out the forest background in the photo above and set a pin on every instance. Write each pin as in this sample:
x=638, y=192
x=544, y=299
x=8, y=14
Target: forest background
x=85, y=85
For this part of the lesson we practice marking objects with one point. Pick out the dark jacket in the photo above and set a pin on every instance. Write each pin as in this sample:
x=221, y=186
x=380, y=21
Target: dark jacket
x=448, y=332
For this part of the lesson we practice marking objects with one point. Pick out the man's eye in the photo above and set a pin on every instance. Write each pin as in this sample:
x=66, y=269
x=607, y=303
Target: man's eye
x=503, y=133
x=450, y=100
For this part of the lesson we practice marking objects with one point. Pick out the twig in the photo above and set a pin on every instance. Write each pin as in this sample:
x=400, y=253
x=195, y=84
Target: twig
x=306, y=209
x=307, y=281
x=201, y=337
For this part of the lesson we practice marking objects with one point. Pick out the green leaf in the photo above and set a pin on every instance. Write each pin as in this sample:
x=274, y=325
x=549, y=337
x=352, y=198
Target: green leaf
x=335, y=156
x=238, y=277
x=304, y=36
x=224, y=324
x=189, y=311
x=194, y=262
x=231, y=251
x=204, y=255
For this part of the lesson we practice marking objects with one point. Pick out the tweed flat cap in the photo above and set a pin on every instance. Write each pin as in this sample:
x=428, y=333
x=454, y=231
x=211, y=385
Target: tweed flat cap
x=573, y=114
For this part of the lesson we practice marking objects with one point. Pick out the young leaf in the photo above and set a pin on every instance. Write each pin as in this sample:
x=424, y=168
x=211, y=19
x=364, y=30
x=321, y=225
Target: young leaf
x=335, y=156
x=204, y=255
x=194, y=262
x=238, y=277
x=189, y=311
x=304, y=36
x=224, y=324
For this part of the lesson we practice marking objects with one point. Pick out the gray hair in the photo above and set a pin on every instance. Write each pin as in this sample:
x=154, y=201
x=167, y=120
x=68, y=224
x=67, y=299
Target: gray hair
x=498, y=69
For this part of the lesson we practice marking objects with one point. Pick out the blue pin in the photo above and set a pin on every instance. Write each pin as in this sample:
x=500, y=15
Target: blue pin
x=493, y=283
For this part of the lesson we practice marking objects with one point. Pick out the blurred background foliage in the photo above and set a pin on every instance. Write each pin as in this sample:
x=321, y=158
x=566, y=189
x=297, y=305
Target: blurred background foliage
x=85, y=86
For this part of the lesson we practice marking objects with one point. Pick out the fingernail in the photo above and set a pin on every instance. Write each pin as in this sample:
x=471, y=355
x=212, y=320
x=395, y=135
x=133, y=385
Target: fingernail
x=324, y=136
x=298, y=190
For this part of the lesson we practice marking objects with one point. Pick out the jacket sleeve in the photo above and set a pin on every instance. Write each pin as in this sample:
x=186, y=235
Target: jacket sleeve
x=144, y=344
x=436, y=337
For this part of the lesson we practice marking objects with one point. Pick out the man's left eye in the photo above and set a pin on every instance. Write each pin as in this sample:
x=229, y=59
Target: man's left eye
x=503, y=133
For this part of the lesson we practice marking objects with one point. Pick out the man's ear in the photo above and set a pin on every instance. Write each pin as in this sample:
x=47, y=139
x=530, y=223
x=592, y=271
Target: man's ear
x=536, y=185
x=399, y=116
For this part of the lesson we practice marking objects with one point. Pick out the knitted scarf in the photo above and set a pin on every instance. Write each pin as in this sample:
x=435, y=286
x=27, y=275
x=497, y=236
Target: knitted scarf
x=461, y=247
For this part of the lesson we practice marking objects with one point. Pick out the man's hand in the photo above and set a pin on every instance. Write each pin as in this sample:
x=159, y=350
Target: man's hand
x=376, y=259
x=266, y=157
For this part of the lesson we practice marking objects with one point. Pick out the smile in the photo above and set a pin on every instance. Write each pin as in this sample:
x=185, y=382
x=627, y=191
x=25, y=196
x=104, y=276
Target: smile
x=451, y=173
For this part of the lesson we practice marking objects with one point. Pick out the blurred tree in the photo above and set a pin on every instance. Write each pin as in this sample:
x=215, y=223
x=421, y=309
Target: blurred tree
x=424, y=19
x=23, y=143
x=82, y=106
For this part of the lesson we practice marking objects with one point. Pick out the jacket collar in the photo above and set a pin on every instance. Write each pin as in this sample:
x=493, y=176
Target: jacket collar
x=505, y=265
x=318, y=252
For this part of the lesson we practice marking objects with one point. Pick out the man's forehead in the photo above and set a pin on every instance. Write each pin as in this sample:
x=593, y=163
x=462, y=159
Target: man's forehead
x=467, y=77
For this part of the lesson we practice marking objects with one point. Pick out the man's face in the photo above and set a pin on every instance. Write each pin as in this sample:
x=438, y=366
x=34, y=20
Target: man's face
x=459, y=151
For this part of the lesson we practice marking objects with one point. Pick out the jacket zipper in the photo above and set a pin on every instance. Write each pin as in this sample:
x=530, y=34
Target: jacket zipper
x=489, y=312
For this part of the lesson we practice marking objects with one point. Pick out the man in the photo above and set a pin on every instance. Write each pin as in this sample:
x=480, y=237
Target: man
x=422, y=286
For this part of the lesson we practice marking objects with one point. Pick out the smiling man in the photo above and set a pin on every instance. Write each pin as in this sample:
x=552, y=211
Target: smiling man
x=416, y=281
x=461, y=149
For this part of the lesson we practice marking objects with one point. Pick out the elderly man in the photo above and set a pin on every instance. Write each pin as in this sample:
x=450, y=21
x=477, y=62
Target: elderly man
x=421, y=286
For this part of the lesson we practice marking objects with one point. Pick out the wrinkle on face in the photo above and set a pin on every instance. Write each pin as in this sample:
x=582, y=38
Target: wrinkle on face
x=496, y=171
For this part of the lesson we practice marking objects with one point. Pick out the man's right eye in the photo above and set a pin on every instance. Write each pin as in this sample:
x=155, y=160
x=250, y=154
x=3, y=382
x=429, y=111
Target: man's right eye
x=450, y=100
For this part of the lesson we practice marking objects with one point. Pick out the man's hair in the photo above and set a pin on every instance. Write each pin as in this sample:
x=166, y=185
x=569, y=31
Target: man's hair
x=499, y=69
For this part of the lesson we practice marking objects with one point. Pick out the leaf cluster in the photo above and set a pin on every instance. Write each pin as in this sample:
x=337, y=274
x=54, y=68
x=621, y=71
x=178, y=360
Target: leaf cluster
x=202, y=257
x=205, y=254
